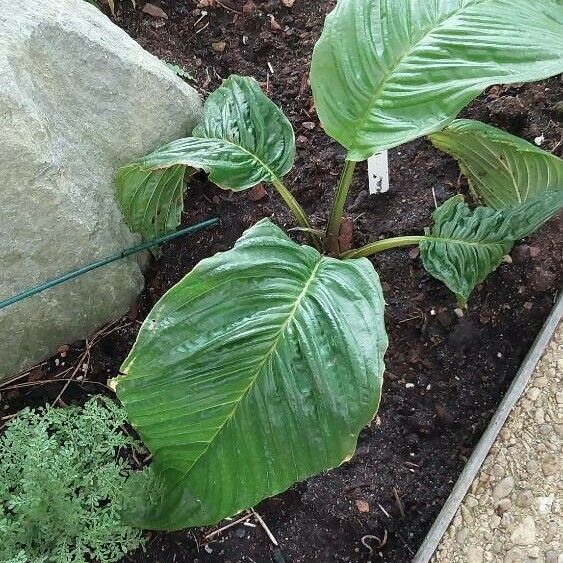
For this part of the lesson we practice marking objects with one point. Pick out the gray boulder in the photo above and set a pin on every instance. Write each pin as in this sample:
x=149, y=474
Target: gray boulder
x=78, y=99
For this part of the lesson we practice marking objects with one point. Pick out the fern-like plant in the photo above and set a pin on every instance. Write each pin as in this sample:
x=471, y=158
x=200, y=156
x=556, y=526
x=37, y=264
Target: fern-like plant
x=61, y=486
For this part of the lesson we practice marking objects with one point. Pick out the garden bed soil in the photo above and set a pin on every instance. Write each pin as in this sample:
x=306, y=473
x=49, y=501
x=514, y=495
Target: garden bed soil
x=446, y=373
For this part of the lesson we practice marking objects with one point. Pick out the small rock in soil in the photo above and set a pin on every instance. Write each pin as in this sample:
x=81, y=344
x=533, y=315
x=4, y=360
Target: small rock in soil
x=240, y=533
x=154, y=11
x=219, y=46
x=362, y=506
x=414, y=253
x=257, y=193
x=274, y=24
x=249, y=7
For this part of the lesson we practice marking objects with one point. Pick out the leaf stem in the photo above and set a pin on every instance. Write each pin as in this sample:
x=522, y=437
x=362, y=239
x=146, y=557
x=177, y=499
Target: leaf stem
x=335, y=219
x=381, y=245
x=298, y=212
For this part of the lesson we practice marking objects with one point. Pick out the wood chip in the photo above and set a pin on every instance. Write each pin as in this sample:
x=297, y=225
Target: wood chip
x=288, y=3
x=362, y=506
x=257, y=193
x=274, y=24
x=154, y=11
x=219, y=46
x=249, y=7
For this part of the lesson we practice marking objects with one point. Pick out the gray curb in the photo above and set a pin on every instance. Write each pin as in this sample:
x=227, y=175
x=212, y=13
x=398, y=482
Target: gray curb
x=480, y=452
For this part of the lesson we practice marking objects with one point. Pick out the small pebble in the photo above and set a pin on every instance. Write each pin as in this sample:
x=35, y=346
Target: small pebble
x=525, y=533
x=550, y=465
x=540, y=382
x=461, y=536
x=506, y=521
x=533, y=394
x=515, y=555
x=498, y=471
x=504, y=505
x=525, y=499
x=503, y=488
x=475, y=555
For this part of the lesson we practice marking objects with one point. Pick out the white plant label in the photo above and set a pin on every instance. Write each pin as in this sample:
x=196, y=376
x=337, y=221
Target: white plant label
x=378, y=172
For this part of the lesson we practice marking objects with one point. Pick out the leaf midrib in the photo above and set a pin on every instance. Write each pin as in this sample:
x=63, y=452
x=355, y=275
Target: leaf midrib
x=267, y=357
x=400, y=61
x=268, y=169
x=430, y=238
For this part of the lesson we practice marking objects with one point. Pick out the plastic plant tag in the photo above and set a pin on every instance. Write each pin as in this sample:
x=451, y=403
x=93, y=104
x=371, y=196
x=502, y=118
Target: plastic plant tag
x=378, y=173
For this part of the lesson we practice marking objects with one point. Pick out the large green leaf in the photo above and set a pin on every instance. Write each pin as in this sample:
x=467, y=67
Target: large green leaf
x=152, y=201
x=464, y=246
x=387, y=71
x=502, y=169
x=243, y=140
x=257, y=370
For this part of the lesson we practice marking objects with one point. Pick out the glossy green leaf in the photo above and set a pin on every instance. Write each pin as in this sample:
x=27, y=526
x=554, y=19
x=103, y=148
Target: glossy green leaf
x=244, y=139
x=502, y=169
x=151, y=201
x=464, y=246
x=385, y=72
x=257, y=370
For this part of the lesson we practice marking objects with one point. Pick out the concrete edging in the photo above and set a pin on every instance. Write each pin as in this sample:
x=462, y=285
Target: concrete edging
x=471, y=469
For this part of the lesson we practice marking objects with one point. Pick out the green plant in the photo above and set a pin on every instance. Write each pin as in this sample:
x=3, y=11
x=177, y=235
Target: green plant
x=262, y=365
x=178, y=70
x=61, y=486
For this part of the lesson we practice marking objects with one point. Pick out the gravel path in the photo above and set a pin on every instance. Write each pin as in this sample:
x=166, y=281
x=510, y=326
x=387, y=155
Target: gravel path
x=513, y=511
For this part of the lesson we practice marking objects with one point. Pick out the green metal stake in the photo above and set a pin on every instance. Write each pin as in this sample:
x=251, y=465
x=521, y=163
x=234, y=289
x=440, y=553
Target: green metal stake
x=104, y=261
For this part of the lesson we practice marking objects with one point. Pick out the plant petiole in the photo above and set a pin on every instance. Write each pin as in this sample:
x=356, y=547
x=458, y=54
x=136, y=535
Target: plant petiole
x=298, y=212
x=381, y=245
x=335, y=219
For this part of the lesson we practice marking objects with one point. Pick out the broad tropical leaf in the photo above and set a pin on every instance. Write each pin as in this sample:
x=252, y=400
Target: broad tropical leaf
x=385, y=72
x=151, y=201
x=502, y=169
x=257, y=370
x=464, y=246
x=243, y=140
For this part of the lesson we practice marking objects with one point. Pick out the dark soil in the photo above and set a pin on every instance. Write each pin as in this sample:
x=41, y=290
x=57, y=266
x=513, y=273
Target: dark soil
x=445, y=374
